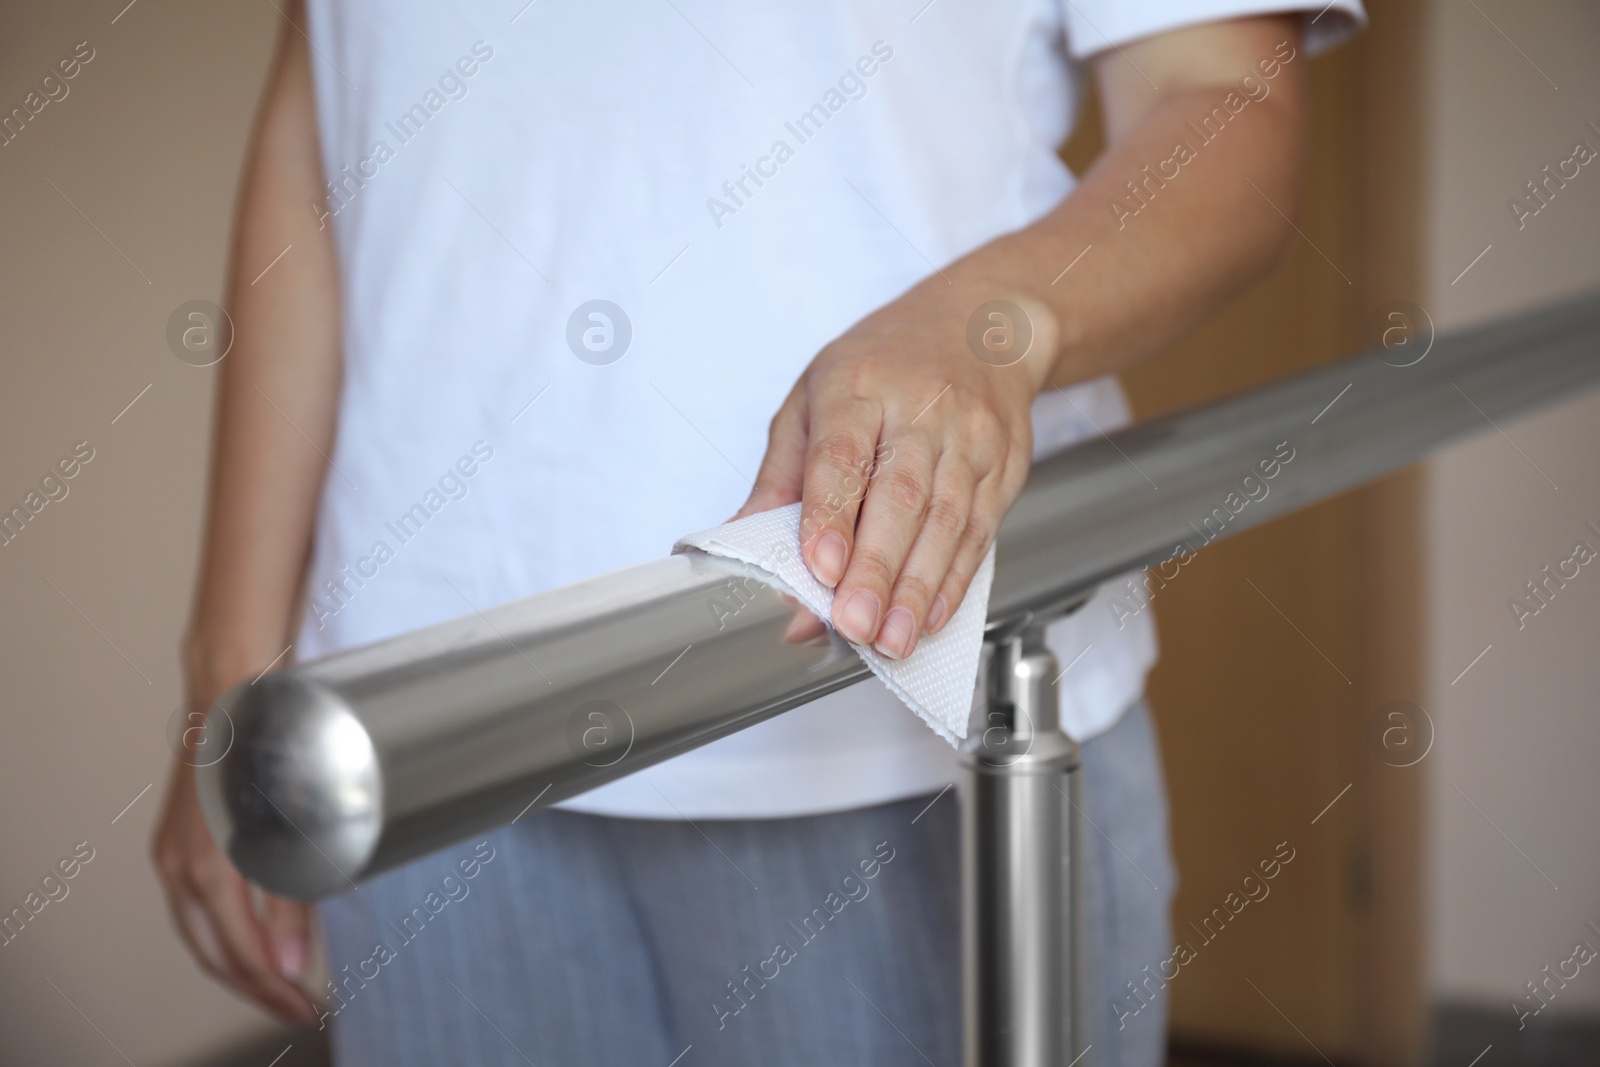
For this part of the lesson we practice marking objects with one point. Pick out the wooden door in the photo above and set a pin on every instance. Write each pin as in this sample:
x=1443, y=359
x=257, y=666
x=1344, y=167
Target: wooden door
x=1278, y=644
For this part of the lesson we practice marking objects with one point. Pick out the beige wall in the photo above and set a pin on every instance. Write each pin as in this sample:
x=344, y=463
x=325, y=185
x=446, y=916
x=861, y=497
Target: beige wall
x=1519, y=734
x=146, y=144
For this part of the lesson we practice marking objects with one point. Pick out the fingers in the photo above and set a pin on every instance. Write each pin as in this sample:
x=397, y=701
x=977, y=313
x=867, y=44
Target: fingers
x=196, y=931
x=897, y=515
x=244, y=945
x=288, y=926
x=216, y=918
x=213, y=910
x=840, y=460
x=915, y=604
x=891, y=517
x=989, y=504
x=783, y=468
x=920, y=540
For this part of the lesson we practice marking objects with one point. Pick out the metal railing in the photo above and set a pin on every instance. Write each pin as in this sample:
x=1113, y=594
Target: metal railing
x=348, y=766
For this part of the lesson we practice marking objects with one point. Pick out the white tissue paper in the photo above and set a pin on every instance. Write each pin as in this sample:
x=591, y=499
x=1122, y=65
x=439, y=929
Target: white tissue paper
x=936, y=681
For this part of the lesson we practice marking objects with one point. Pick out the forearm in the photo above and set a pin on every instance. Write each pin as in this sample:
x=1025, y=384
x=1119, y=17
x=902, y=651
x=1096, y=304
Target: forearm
x=277, y=395
x=1102, y=290
x=1149, y=263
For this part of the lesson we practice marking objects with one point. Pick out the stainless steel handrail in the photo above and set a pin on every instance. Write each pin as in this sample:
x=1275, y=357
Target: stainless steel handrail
x=348, y=766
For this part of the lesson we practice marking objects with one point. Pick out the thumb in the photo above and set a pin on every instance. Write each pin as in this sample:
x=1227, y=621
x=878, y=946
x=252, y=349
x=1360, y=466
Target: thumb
x=288, y=932
x=783, y=469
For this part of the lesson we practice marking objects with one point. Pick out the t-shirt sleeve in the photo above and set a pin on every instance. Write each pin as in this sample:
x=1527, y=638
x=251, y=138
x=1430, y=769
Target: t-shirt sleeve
x=1095, y=25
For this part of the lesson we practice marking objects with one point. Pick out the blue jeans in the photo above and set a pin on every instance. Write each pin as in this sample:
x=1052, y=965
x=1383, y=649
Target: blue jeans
x=824, y=941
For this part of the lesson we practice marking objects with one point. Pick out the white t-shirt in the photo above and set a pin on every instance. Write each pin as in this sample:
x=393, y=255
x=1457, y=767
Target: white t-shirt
x=744, y=182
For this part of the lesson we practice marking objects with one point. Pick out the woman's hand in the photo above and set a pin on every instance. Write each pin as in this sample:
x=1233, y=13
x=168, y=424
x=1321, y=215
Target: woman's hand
x=278, y=392
x=907, y=449
x=257, y=952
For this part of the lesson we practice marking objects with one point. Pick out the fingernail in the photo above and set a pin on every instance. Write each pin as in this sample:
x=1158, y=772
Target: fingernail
x=936, y=614
x=859, y=619
x=292, y=956
x=829, y=559
x=894, y=640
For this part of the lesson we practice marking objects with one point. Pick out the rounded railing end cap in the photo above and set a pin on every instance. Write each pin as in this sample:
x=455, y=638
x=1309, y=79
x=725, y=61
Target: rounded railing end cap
x=296, y=802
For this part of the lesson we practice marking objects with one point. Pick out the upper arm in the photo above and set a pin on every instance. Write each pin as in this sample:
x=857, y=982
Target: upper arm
x=1260, y=58
x=284, y=140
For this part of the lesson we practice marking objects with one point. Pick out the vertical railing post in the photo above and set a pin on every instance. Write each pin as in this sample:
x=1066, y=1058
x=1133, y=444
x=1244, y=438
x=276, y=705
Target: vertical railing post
x=1018, y=866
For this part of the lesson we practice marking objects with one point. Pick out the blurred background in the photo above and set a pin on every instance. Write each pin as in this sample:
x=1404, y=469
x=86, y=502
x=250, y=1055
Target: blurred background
x=1426, y=893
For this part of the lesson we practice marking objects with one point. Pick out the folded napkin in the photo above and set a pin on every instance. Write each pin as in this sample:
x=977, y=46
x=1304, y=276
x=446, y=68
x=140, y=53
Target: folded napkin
x=936, y=681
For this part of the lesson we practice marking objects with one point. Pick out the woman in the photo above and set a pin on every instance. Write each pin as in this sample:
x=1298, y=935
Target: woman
x=587, y=253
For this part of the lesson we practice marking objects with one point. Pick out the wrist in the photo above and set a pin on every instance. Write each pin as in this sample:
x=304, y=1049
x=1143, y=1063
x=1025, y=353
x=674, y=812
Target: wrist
x=211, y=667
x=1012, y=326
x=1045, y=351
